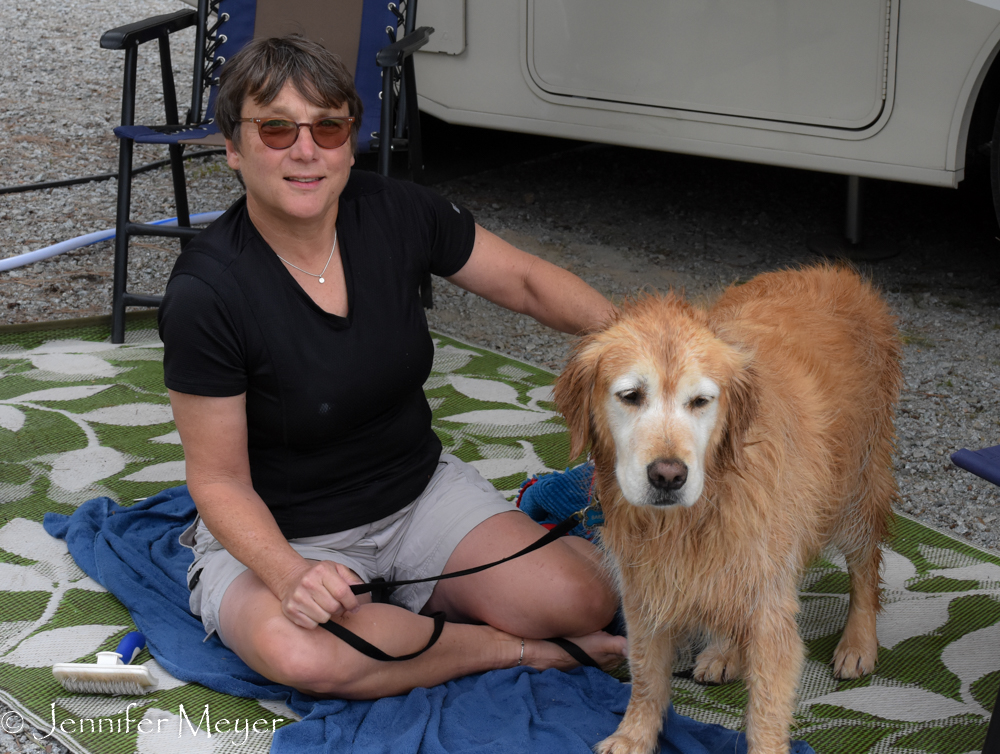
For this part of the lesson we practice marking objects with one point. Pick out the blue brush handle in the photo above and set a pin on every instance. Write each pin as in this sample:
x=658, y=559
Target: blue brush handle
x=131, y=645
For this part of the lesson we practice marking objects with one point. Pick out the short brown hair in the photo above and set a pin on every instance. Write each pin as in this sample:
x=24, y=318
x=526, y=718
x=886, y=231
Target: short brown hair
x=261, y=70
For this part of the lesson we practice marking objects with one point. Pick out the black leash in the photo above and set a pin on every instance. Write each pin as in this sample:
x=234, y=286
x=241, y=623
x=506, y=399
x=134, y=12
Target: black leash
x=374, y=652
x=559, y=530
x=380, y=586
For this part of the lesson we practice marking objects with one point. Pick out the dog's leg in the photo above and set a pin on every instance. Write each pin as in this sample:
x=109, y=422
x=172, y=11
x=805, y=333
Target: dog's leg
x=650, y=657
x=717, y=663
x=773, y=654
x=858, y=648
x=863, y=527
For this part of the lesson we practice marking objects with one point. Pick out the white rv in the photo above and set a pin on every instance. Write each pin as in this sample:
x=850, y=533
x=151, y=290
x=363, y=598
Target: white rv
x=893, y=89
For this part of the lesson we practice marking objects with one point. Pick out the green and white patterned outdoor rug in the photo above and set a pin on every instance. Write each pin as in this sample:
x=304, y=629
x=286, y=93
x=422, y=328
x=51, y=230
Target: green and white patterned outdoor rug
x=81, y=418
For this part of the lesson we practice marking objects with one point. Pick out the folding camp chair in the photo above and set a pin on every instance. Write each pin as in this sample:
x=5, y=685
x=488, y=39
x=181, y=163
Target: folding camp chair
x=362, y=33
x=984, y=463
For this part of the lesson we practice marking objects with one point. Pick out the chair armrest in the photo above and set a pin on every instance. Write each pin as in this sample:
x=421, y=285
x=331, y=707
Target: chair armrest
x=393, y=55
x=148, y=30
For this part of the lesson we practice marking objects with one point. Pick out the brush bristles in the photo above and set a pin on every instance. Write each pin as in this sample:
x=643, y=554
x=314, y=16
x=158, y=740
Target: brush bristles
x=117, y=680
x=115, y=688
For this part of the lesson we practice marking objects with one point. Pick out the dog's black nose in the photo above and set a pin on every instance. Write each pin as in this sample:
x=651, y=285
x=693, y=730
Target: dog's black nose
x=667, y=474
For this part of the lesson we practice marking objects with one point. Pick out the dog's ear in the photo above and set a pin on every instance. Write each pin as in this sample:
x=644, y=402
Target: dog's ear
x=574, y=393
x=741, y=411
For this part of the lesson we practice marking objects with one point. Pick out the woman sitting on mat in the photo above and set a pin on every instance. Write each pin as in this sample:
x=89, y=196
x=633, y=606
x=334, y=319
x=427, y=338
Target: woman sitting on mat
x=295, y=353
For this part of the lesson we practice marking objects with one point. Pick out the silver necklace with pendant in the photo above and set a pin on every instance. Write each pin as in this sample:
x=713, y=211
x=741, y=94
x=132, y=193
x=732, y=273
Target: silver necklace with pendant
x=313, y=274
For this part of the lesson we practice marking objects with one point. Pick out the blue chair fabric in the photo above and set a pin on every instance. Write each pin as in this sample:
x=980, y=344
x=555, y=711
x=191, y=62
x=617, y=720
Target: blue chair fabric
x=984, y=463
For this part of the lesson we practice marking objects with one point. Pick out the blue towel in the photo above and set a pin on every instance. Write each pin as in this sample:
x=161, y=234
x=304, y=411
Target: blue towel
x=134, y=553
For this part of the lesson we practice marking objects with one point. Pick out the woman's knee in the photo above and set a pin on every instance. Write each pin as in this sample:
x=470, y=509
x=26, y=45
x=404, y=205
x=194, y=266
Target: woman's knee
x=592, y=601
x=589, y=583
x=577, y=600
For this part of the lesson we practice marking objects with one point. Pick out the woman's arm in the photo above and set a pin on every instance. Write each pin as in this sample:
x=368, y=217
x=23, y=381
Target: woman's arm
x=523, y=283
x=214, y=435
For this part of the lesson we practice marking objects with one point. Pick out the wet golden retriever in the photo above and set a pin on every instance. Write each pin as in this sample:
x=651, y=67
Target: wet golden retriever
x=730, y=446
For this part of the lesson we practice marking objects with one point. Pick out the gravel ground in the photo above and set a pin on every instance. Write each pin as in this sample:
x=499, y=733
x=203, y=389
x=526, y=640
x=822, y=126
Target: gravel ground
x=621, y=219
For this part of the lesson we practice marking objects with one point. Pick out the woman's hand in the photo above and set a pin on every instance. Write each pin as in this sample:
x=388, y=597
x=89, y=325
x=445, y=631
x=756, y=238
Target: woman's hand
x=317, y=591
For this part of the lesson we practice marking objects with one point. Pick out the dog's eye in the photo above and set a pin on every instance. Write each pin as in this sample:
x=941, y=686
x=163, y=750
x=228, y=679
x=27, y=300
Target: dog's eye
x=630, y=397
x=700, y=402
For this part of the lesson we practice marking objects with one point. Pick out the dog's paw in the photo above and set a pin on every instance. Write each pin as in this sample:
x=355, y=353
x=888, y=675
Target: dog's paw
x=852, y=660
x=716, y=665
x=623, y=744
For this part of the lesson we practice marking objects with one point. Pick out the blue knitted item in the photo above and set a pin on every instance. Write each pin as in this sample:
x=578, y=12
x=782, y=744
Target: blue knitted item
x=554, y=497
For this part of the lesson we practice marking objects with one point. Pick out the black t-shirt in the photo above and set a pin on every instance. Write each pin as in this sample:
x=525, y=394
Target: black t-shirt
x=339, y=428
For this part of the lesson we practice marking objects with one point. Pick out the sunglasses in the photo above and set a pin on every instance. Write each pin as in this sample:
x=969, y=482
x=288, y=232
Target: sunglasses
x=278, y=133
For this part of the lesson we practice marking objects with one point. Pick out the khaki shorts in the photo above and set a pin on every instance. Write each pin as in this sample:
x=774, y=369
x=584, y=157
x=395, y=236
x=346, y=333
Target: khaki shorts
x=412, y=543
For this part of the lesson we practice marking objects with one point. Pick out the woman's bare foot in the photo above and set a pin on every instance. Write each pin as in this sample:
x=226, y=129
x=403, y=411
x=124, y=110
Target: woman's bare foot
x=607, y=650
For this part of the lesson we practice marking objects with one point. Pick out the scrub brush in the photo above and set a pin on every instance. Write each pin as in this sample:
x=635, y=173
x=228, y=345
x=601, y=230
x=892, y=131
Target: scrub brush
x=109, y=675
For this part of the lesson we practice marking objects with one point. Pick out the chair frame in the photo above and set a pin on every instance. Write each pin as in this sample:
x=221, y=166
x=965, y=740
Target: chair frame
x=129, y=38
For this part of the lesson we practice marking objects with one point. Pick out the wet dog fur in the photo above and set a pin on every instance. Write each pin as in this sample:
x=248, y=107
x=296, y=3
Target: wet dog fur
x=731, y=444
